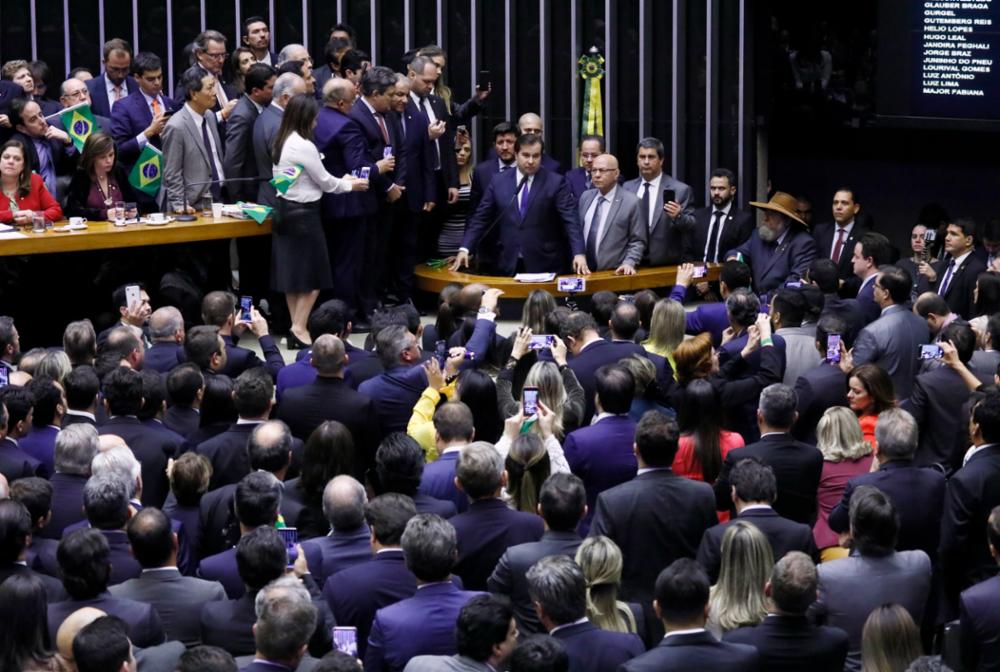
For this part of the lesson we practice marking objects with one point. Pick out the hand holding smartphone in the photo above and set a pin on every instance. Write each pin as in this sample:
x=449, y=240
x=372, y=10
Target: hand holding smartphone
x=246, y=309
x=345, y=639
x=529, y=401
x=833, y=348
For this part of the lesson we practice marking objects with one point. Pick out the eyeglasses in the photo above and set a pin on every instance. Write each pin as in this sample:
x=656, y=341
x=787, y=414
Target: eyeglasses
x=76, y=95
x=217, y=57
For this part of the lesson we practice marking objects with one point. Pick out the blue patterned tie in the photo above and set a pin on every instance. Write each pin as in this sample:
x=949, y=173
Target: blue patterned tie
x=525, y=191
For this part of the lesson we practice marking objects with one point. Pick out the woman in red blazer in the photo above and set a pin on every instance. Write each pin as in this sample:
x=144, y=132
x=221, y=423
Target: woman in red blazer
x=24, y=192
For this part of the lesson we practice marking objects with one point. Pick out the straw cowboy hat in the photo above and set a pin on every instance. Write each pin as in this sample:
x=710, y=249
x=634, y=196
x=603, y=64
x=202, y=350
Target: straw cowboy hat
x=782, y=203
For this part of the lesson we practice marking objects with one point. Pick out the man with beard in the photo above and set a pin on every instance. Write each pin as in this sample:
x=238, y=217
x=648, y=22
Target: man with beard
x=836, y=240
x=10, y=344
x=780, y=248
x=718, y=227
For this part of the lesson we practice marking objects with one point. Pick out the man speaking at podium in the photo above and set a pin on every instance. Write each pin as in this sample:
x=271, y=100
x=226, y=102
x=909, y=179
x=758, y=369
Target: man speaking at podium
x=536, y=215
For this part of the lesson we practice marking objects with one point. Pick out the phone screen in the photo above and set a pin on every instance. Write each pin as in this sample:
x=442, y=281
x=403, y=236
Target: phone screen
x=931, y=351
x=833, y=348
x=541, y=341
x=246, y=303
x=364, y=172
x=345, y=639
x=441, y=352
x=133, y=296
x=290, y=535
x=483, y=82
x=4, y=376
x=529, y=398
x=699, y=272
x=669, y=195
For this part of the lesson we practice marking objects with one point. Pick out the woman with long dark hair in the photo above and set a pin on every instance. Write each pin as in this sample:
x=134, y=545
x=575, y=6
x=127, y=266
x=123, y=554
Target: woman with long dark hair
x=703, y=444
x=24, y=633
x=869, y=392
x=329, y=452
x=444, y=323
x=24, y=191
x=99, y=182
x=300, y=263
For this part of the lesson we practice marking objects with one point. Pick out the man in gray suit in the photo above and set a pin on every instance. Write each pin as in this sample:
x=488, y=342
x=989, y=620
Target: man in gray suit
x=892, y=341
x=174, y=597
x=486, y=634
x=266, y=127
x=614, y=231
x=192, y=149
x=668, y=221
x=788, y=309
x=874, y=574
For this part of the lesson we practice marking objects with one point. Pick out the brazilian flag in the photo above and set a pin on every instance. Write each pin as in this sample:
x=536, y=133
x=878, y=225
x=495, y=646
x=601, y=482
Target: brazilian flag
x=79, y=124
x=286, y=177
x=147, y=174
x=257, y=213
x=592, y=72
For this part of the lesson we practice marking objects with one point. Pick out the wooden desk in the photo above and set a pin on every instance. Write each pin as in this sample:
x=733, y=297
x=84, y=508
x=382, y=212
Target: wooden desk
x=434, y=279
x=105, y=235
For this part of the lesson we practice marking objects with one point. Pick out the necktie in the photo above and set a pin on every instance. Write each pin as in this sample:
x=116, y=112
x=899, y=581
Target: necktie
x=592, y=233
x=525, y=190
x=946, y=280
x=216, y=187
x=505, y=166
x=156, y=107
x=839, y=247
x=45, y=165
x=381, y=126
x=590, y=182
x=711, y=250
x=645, y=204
x=118, y=93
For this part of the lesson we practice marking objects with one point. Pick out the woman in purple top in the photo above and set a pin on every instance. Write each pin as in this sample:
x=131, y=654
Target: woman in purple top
x=100, y=182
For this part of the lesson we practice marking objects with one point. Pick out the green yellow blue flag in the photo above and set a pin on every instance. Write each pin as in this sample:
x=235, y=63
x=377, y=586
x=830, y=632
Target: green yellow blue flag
x=592, y=71
x=147, y=174
x=285, y=178
x=257, y=213
x=79, y=124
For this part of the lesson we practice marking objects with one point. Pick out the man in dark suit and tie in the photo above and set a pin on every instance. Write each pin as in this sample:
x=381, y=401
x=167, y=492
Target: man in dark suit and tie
x=349, y=541
x=505, y=136
x=530, y=123
x=558, y=590
x=722, y=226
x=83, y=389
x=74, y=92
x=562, y=503
x=75, y=448
x=114, y=84
x=681, y=603
x=257, y=38
x=780, y=249
x=785, y=640
x=836, y=240
x=822, y=274
x=710, y=317
x=399, y=467
x=423, y=624
x=980, y=620
x=870, y=252
x=140, y=117
x=16, y=530
x=166, y=330
x=823, y=386
x=219, y=309
x=754, y=492
x=957, y=275
x=265, y=127
x=796, y=465
x=48, y=150
x=106, y=504
x=668, y=221
x=489, y=527
x=404, y=380
x=209, y=52
x=185, y=389
x=614, y=231
x=454, y=430
x=539, y=229
x=579, y=179
x=15, y=462
x=282, y=633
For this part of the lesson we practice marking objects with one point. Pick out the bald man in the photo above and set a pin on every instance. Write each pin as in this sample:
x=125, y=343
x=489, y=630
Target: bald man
x=529, y=122
x=166, y=330
x=613, y=230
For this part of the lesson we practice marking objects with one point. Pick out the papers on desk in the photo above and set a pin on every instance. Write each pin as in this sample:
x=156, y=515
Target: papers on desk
x=10, y=234
x=534, y=277
x=4, y=228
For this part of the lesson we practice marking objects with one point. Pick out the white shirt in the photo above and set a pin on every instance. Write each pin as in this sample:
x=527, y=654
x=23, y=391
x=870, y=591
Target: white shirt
x=501, y=166
x=567, y=625
x=958, y=262
x=588, y=224
x=141, y=138
x=718, y=231
x=525, y=189
x=216, y=156
x=314, y=180
x=973, y=450
x=654, y=189
x=109, y=88
x=758, y=507
x=83, y=414
x=689, y=631
x=428, y=109
x=836, y=234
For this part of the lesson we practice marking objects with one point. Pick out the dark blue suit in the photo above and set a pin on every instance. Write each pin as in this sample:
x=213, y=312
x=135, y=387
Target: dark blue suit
x=597, y=354
x=694, y=652
x=145, y=628
x=603, y=457
x=183, y=420
x=228, y=624
x=362, y=365
x=15, y=463
x=788, y=643
x=428, y=504
x=771, y=264
x=228, y=454
x=981, y=626
x=743, y=419
x=591, y=649
x=420, y=625
x=221, y=567
x=578, y=182
x=240, y=359
x=548, y=235
x=438, y=481
x=485, y=531
x=416, y=158
x=67, y=504
x=866, y=302
x=339, y=550
x=163, y=356
x=846, y=309
x=131, y=116
x=99, y=103
x=482, y=176
x=817, y=390
x=151, y=448
x=8, y=92
x=40, y=443
x=394, y=394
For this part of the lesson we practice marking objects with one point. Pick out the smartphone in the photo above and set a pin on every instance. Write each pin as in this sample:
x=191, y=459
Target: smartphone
x=363, y=173
x=345, y=639
x=4, y=376
x=246, y=304
x=699, y=272
x=833, y=348
x=930, y=235
x=571, y=285
x=290, y=535
x=133, y=296
x=931, y=351
x=483, y=82
x=441, y=352
x=387, y=152
x=541, y=341
x=529, y=400
x=669, y=195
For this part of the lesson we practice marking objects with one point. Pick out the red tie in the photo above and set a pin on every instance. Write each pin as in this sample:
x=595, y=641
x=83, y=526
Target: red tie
x=381, y=125
x=838, y=248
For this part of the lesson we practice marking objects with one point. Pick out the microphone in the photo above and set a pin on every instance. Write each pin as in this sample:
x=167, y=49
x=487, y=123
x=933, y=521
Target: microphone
x=184, y=216
x=500, y=213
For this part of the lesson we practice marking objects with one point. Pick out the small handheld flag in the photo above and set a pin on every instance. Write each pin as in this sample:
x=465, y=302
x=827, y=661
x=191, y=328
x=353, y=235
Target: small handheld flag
x=79, y=124
x=257, y=213
x=285, y=178
x=147, y=174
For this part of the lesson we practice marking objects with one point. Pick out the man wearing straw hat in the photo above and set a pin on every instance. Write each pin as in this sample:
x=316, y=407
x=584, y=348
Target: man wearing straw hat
x=780, y=248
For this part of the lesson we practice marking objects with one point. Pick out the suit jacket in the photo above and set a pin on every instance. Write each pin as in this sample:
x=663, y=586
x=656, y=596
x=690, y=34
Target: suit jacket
x=866, y=302
x=174, y=597
x=655, y=518
x=578, y=181
x=981, y=626
x=394, y=394
x=151, y=448
x=54, y=591
x=666, y=236
x=737, y=226
x=8, y=92
x=341, y=141
x=961, y=285
x=508, y=576
x=356, y=593
x=707, y=317
x=624, y=236
x=824, y=234
x=163, y=356
x=482, y=175
x=265, y=127
x=375, y=146
x=801, y=355
x=548, y=235
x=228, y=624
x=448, y=176
x=338, y=550
x=892, y=342
x=456, y=663
x=694, y=652
x=183, y=420
x=591, y=358
x=902, y=577
x=936, y=404
x=438, y=481
x=415, y=160
x=788, y=643
x=240, y=160
x=818, y=389
x=797, y=468
x=485, y=531
x=846, y=309
x=774, y=264
x=428, y=504
x=67, y=503
x=591, y=649
x=783, y=534
x=144, y=624
x=64, y=157
x=602, y=456
x=131, y=116
x=186, y=159
x=99, y=101
x=40, y=444
x=420, y=625
x=15, y=463
x=222, y=568
x=239, y=359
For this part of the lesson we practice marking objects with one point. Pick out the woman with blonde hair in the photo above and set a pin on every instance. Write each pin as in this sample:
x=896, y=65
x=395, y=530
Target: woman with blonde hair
x=846, y=454
x=558, y=388
x=738, y=599
x=890, y=641
x=528, y=465
x=601, y=561
x=666, y=329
